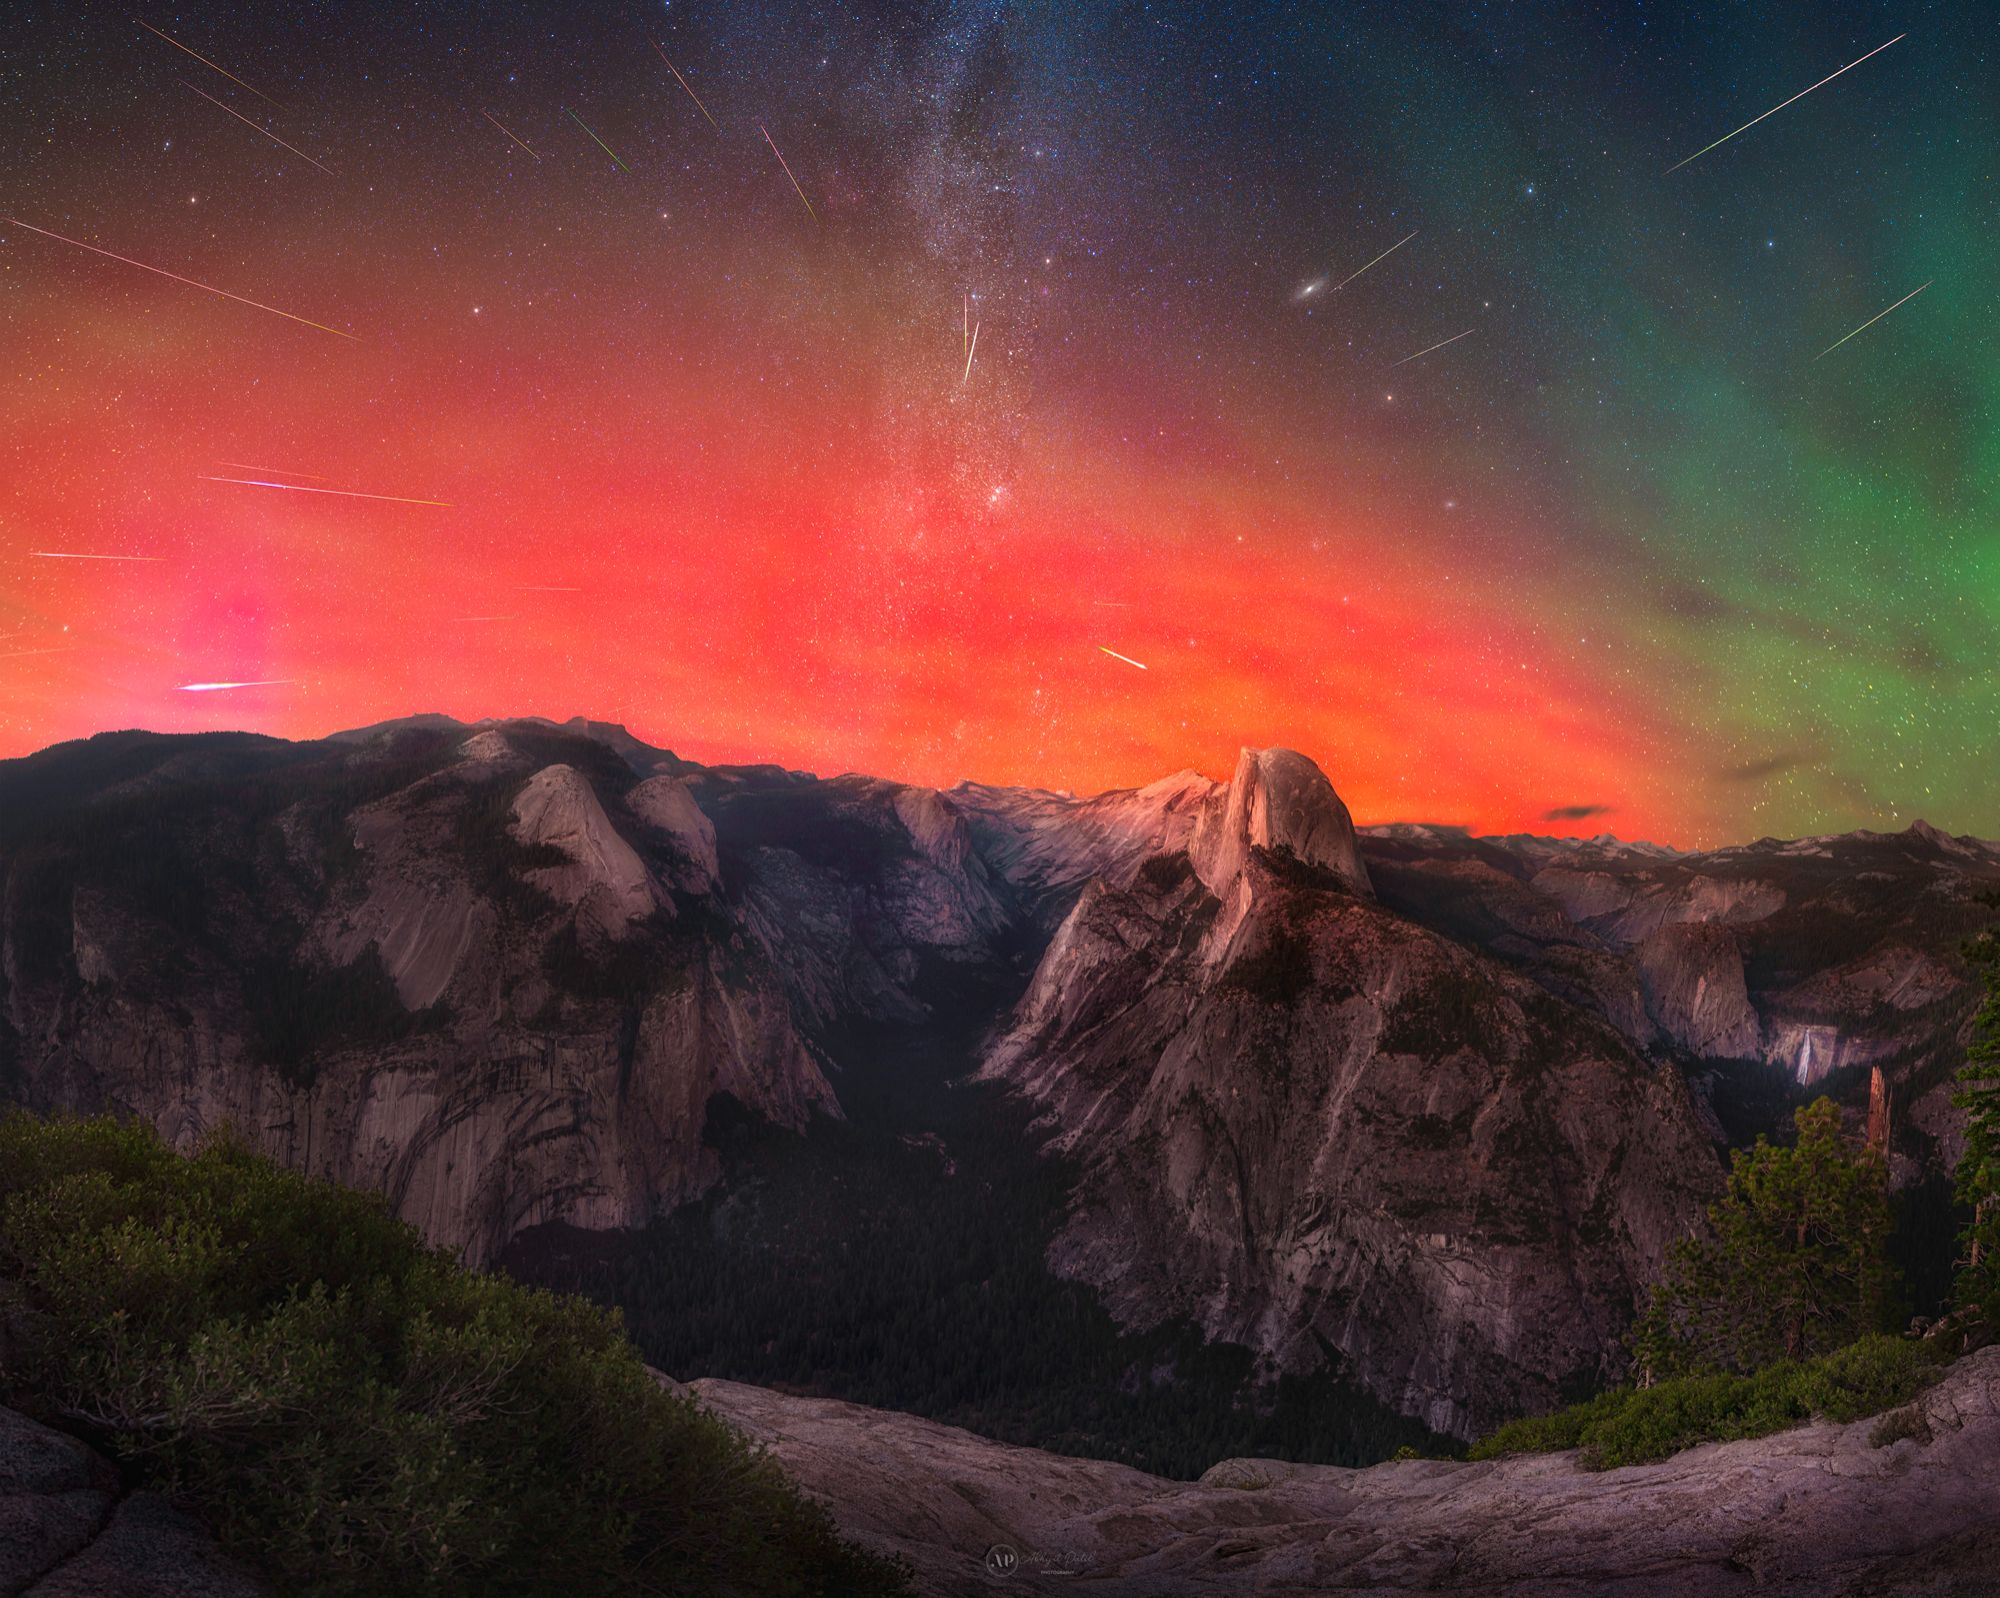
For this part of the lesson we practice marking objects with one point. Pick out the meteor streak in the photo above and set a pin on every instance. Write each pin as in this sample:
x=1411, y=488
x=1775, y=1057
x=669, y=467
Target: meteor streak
x=1437, y=346
x=490, y=117
x=232, y=77
x=159, y=271
x=271, y=471
x=971, y=350
x=21, y=654
x=795, y=182
x=1781, y=105
x=1905, y=300
x=224, y=687
x=622, y=167
x=1391, y=250
x=683, y=82
x=301, y=488
x=1116, y=656
x=240, y=117
x=60, y=554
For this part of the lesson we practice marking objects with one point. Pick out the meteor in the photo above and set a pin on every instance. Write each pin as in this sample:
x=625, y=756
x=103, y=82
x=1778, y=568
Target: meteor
x=301, y=488
x=59, y=554
x=1905, y=300
x=683, y=82
x=971, y=350
x=270, y=471
x=224, y=687
x=159, y=271
x=20, y=654
x=1782, y=104
x=795, y=182
x=1116, y=656
x=1351, y=276
x=490, y=117
x=622, y=167
x=240, y=117
x=232, y=77
x=1437, y=346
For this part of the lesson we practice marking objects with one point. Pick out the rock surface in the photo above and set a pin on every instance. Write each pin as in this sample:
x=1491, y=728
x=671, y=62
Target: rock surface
x=68, y=1529
x=1819, y=1512
x=1315, y=1128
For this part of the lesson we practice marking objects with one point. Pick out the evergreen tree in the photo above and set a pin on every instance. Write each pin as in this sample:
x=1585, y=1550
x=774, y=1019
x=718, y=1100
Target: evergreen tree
x=1978, y=1185
x=1796, y=1263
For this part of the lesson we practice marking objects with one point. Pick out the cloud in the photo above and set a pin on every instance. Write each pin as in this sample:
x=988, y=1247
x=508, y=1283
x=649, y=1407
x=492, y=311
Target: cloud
x=1575, y=812
x=1770, y=766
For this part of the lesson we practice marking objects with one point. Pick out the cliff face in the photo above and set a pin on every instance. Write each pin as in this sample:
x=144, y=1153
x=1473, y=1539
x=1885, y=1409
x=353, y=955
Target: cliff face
x=1810, y=961
x=1807, y=1513
x=1309, y=1124
x=473, y=990
x=1401, y=1097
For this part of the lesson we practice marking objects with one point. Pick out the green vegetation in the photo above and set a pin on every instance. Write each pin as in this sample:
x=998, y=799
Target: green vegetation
x=1797, y=1263
x=1978, y=1177
x=357, y=1414
x=1629, y=1426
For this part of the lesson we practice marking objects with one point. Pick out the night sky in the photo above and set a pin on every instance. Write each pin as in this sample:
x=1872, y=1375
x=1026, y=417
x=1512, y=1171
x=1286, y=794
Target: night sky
x=1629, y=553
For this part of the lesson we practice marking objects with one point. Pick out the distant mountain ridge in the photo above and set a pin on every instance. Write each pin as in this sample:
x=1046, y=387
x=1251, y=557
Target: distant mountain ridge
x=506, y=971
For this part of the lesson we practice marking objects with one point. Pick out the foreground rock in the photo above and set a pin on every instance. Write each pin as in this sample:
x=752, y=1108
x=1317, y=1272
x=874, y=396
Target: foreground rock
x=68, y=1530
x=1818, y=1511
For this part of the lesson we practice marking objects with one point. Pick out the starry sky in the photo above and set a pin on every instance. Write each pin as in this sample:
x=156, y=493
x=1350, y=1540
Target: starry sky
x=1564, y=514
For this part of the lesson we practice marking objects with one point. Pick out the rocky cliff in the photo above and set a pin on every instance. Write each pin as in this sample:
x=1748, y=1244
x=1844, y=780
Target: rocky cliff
x=1319, y=1129
x=1397, y=1100
x=1819, y=1512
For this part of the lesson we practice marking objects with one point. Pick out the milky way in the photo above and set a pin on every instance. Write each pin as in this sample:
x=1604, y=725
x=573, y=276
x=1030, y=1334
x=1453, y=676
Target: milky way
x=620, y=427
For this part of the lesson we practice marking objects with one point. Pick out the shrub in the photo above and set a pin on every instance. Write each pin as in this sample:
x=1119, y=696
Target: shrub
x=357, y=1414
x=1630, y=1426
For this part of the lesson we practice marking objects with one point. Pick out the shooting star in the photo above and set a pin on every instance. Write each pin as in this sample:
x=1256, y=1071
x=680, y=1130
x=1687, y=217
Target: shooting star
x=490, y=117
x=232, y=77
x=683, y=82
x=1116, y=656
x=61, y=554
x=240, y=117
x=159, y=271
x=622, y=167
x=270, y=471
x=1440, y=344
x=224, y=687
x=1113, y=604
x=301, y=488
x=1782, y=104
x=1351, y=276
x=795, y=182
x=22, y=654
x=971, y=350
x=1905, y=300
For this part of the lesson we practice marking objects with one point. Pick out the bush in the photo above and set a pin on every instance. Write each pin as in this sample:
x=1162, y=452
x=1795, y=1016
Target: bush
x=1630, y=1426
x=357, y=1414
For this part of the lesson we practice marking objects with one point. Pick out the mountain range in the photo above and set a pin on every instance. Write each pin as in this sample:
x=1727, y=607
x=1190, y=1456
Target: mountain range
x=1418, y=1108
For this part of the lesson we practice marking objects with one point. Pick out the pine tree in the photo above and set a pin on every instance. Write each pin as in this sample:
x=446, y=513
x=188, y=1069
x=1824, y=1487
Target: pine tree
x=1796, y=1263
x=1978, y=1184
